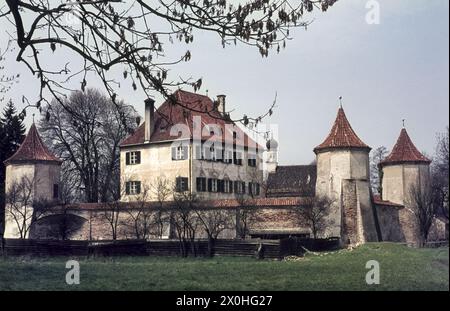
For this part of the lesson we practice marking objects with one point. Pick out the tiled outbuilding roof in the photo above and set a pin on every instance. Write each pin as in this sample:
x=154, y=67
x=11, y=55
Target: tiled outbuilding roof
x=378, y=201
x=404, y=151
x=188, y=106
x=341, y=136
x=292, y=180
x=32, y=150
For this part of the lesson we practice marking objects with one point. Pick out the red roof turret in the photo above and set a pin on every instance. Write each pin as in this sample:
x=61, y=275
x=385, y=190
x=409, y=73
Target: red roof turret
x=404, y=151
x=32, y=150
x=341, y=136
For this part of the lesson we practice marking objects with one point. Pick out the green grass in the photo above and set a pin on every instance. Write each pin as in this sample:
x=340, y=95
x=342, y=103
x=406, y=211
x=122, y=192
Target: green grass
x=402, y=268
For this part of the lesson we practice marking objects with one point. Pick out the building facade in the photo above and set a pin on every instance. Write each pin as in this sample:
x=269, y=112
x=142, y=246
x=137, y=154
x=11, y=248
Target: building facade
x=189, y=146
x=32, y=175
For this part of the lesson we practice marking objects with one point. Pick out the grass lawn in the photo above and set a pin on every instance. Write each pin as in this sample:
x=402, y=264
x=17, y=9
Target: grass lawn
x=401, y=268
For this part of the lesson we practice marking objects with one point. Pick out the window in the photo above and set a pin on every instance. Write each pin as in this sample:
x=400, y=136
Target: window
x=201, y=184
x=180, y=152
x=182, y=184
x=237, y=158
x=132, y=187
x=213, y=185
x=228, y=156
x=55, y=191
x=252, y=160
x=239, y=187
x=254, y=188
x=227, y=186
x=133, y=157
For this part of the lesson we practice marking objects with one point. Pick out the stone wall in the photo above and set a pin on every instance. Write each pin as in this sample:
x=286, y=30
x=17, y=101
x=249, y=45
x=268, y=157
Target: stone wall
x=389, y=222
x=94, y=225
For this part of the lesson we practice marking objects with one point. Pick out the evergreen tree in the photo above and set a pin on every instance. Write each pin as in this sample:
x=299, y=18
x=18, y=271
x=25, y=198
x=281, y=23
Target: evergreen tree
x=12, y=133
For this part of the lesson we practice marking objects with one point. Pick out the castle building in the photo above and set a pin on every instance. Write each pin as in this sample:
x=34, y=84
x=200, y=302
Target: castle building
x=341, y=174
x=33, y=170
x=190, y=146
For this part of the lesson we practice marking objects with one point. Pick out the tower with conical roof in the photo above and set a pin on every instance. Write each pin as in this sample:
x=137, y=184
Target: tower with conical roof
x=32, y=164
x=343, y=177
x=402, y=169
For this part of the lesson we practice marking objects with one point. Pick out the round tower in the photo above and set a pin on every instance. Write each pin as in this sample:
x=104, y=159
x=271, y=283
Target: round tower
x=271, y=157
x=32, y=171
x=404, y=168
x=343, y=177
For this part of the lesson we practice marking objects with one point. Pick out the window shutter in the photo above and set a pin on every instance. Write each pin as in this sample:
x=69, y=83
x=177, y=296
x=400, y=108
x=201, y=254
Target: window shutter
x=231, y=186
x=55, y=191
x=138, y=157
x=236, y=187
x=209, y=184
x=198, y=152
x=243, y=187
x=199, y=184
x=138, y=187
x=174, y=153
x=185, y=152
x=127, y=158
x=220, y=185
x=258, y=190
x=127, y=187
x=178, y=184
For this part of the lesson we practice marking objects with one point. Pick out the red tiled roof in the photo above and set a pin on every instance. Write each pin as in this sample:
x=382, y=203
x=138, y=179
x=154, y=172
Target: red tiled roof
x=188, y=106
x=379, y=201
x=341, y=135
x=404, y=151
x=228, y=203
x=32, y=149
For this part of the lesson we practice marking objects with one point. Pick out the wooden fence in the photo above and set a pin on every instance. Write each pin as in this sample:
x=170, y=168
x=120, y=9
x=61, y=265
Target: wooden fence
x=269, y=249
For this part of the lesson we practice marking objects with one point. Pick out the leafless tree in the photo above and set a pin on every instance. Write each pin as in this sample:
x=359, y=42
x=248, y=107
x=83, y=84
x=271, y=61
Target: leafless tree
x=185, y=221
x=86, y=133
x=422, y=203
x=22, y=207
x=111, y=214
x=6, y=80
x=140, y=217
x=245, y=216
x=214, y=222
x=376, y=172
x=132, y=37
x=163, y=190
x=315, y=214
x=440, y=173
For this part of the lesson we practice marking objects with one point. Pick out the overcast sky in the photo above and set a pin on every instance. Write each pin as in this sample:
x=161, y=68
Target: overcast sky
x=386, y=72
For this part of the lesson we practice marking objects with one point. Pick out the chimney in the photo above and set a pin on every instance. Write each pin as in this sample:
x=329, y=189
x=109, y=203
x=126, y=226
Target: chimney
x=221, y=104
x=149, y=119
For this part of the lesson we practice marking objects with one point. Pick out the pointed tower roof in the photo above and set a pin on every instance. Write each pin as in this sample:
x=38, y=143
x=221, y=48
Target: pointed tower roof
x=404, y=151
x=341, y=136
x=32, y=150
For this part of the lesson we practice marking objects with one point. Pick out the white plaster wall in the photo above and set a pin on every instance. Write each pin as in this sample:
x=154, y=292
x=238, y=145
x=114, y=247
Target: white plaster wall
x=333, y=167
x=156, y=162
x=15, y=172
x=46, y=176
x=398, y=179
